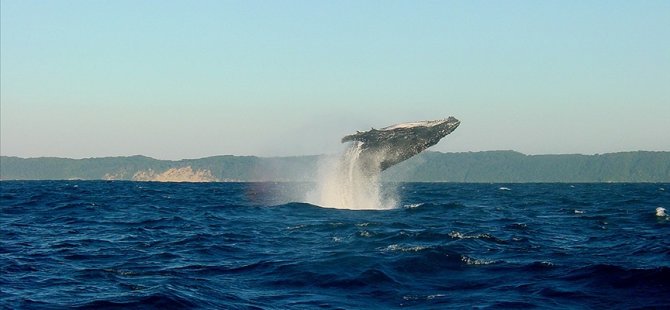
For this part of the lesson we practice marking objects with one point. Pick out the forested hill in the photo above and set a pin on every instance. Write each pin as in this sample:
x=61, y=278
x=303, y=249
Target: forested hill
x=509, y=166
x=492, y=166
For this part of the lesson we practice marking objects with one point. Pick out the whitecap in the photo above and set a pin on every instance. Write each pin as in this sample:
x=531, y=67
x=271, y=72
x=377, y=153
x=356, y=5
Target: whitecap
x=365, y=234
x=413, y=205
x=429, y=297
x=502, y=188
x=422, y=297
x=473, y=261
x=458, y=235
x=660, y=212
x=299, y=226
x=399, y=248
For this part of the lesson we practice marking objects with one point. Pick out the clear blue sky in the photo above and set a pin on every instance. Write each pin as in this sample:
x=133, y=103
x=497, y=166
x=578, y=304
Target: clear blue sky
x=188, y=79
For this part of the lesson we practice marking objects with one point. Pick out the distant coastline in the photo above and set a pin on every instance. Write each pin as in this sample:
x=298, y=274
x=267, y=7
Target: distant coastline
x=468, y=167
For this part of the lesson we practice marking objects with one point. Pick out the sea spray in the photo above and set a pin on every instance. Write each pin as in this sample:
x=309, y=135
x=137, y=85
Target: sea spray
x=352, y=182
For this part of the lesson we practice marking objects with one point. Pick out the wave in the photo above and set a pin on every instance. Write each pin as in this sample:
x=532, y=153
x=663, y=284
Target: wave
x=481, y=236
x=154, y=301
x=240, y=246
x=427, y=206
x=621, y=277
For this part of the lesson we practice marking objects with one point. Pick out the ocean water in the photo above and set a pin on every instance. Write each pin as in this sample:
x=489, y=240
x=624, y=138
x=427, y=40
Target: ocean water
x=96, y=244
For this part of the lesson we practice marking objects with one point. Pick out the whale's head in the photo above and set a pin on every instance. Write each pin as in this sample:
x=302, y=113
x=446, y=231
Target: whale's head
x=447, y=126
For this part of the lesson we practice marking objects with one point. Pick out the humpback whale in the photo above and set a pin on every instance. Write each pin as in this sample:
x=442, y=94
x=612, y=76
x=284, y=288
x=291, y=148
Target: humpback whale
x=383, y=148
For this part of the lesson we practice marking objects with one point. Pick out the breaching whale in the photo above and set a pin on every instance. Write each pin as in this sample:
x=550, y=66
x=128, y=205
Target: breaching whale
x=383, y=148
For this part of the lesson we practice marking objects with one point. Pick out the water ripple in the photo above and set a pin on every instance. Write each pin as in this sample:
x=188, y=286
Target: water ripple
x=92, y=245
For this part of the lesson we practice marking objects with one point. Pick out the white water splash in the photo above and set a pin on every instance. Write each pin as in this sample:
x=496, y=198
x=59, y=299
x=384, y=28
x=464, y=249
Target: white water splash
x=348, y=183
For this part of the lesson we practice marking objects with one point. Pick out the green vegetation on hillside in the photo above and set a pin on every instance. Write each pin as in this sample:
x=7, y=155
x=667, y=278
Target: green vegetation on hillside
x=509, y=166
x=493, y=166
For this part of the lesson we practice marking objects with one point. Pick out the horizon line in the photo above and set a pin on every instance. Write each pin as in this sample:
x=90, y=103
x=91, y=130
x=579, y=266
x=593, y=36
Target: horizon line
x=318, y=155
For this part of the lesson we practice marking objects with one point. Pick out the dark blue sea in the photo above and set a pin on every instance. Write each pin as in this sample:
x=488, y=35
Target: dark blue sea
x=120, y=245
